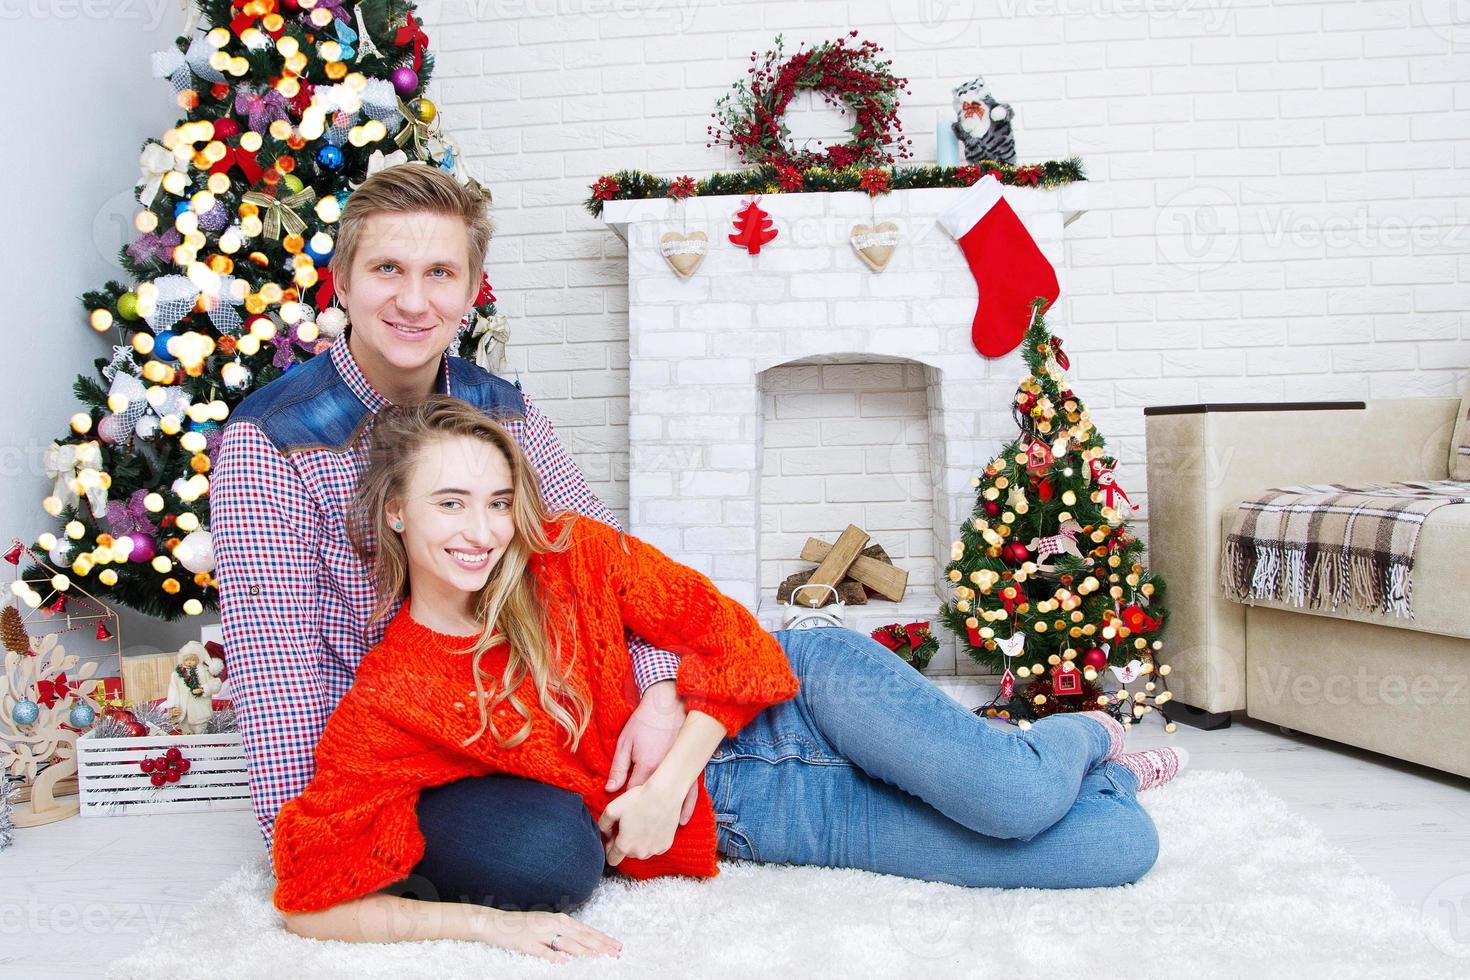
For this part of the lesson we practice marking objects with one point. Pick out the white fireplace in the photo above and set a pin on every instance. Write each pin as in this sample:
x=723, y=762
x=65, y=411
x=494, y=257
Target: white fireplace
x=788, y=394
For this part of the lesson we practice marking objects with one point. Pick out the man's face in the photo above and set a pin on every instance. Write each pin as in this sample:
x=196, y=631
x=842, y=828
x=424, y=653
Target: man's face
x=408, y=287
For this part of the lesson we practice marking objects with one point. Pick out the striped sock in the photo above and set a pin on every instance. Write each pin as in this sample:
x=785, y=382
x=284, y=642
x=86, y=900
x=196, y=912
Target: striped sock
x=1154, y=767
x=1116, y=734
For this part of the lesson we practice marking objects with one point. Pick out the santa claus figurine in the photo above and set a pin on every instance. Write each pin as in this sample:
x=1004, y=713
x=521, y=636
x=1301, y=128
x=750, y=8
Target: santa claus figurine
x=191, y=688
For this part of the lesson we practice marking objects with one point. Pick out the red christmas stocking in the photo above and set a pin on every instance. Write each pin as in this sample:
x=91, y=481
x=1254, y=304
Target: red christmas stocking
x=1009, y=269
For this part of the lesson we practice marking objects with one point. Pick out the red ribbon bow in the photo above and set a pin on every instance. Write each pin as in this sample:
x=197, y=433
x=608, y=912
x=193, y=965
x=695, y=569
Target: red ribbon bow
x=53, y=691
x=1059, y=354
x=973, y=110
x=1139, y=621
x=236, y=157
x=412, y=33
x=326, y=288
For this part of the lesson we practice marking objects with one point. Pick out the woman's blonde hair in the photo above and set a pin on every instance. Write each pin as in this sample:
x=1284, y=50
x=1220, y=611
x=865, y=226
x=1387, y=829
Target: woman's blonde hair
x=409, y=188
x=512, y=607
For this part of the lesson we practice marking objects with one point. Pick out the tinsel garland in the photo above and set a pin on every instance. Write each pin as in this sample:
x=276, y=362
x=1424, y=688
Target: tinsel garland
x=637, y=185
x=9, y=789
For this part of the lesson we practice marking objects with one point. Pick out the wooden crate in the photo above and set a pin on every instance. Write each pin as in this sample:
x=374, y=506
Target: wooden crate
x=110, y=782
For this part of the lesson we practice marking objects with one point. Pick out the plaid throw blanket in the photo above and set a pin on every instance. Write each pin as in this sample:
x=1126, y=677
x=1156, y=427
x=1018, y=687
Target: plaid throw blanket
x=1324, y=546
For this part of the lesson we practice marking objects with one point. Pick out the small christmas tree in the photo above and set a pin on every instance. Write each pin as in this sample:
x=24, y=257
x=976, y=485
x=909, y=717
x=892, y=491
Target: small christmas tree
x=1046, y=573
x=288, y=106
x=754, y=228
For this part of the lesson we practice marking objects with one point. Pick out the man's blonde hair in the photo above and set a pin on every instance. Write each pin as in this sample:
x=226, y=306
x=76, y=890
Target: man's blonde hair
x=406, y=189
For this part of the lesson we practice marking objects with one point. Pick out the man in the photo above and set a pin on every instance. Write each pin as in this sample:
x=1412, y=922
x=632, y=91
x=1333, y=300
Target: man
x=297, y=603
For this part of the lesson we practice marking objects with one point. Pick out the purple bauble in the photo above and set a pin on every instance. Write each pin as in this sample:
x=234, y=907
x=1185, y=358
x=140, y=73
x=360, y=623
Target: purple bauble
x=405, y=81
x=143, y=548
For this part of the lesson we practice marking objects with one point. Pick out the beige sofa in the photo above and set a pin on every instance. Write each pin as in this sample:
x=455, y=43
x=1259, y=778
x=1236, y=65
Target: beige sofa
x=1400, y=687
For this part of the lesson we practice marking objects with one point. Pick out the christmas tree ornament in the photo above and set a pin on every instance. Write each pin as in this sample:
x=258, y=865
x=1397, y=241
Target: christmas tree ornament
x=875, y=244
x=753, y=227
x=405, y=81
x=684, y=252
x=330, y=157
x=1009, y=269
x=196, y=552
x=81, y=715
x=25, y=712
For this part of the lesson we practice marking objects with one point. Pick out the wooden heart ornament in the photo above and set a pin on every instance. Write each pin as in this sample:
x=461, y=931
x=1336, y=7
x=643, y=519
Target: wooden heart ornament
x=683, y=252
x=875, y=244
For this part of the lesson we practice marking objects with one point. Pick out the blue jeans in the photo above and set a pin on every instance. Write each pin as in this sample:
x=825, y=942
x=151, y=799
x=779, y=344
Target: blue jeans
x=506, y=842
x=871, y=766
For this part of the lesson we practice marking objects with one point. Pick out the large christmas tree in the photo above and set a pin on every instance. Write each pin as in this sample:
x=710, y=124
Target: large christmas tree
x=1049, y=584
x=287, y=107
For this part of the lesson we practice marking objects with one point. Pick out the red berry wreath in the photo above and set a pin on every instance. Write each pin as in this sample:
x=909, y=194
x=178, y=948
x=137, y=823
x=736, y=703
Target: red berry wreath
x=752, y=118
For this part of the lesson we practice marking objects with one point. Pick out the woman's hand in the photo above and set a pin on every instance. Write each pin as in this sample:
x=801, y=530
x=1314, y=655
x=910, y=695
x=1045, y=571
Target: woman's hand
x=553, y=936
x=641, y=822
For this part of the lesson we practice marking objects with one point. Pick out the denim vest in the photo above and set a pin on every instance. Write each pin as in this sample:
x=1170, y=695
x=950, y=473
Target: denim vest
x=311, y=407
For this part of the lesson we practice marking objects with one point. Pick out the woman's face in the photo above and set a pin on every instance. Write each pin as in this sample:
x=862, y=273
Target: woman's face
x=456, y=516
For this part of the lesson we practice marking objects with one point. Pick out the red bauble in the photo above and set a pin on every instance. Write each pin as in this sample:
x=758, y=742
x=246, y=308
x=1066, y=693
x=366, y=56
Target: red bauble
x=1015, y=553
x=992, y=508
x=1095, y=659
x=135, y=729
x=225, y=127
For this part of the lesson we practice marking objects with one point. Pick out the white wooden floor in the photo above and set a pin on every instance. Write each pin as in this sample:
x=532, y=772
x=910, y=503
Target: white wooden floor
x=76, y=894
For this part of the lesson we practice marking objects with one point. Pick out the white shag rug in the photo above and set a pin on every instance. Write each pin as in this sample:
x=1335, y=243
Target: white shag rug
x=1243, y=887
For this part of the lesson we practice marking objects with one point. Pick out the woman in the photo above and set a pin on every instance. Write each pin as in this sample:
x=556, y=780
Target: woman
x=508, y=656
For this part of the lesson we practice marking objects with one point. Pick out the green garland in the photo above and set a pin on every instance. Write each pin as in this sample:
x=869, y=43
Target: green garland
x=636, y=185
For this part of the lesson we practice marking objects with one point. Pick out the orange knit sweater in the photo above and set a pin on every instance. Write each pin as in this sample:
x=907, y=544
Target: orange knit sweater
x=354, y=830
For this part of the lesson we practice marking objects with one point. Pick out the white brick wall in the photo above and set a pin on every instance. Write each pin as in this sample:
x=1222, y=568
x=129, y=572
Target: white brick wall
x=1279, y=208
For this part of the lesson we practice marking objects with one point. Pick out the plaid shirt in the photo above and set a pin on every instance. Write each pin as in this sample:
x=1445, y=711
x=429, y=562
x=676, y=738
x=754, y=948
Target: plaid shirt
x=294, y=598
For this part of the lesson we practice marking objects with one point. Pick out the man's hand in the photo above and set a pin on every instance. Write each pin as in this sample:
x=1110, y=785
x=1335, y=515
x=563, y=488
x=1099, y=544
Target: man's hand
x=646, y=739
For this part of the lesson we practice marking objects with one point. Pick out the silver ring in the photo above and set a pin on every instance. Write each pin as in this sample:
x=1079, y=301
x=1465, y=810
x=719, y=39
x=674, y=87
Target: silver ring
x=553, y=944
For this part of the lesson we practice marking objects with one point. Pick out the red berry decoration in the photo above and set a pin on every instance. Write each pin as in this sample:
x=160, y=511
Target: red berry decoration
x=183, y=765
x=157, y=779
x=172, y=775
x=173, y=755
x=146, y=765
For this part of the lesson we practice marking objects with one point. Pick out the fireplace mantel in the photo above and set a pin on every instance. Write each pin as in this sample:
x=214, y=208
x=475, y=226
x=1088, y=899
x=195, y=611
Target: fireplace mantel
x=700, y=347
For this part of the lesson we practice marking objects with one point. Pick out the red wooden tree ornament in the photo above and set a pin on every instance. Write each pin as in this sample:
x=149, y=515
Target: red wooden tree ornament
x=753, y=228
